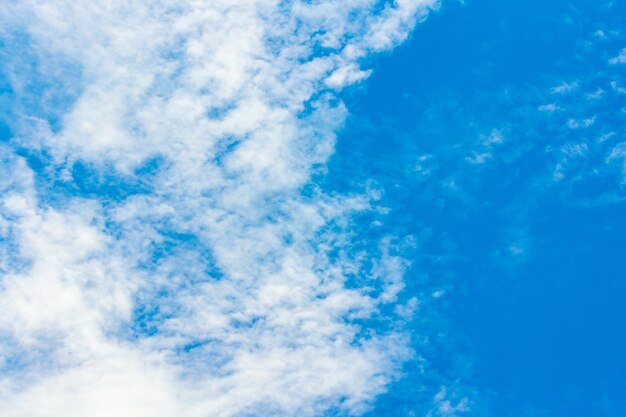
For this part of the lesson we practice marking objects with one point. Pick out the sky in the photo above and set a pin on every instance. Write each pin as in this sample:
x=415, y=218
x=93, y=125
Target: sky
x=312, y=208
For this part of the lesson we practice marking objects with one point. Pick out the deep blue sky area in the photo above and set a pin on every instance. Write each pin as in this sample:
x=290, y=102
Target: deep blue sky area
x=475, y=130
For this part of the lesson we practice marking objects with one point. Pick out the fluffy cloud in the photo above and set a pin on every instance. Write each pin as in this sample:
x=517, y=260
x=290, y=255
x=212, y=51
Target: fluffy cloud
x=198, y=273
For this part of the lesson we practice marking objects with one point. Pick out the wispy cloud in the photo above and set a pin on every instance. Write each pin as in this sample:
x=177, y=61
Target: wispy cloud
x=565, y=87
x=216, y=285
x=620, y=58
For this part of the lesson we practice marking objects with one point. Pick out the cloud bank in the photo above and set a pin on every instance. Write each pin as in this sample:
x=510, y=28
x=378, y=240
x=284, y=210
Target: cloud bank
x=163, y=250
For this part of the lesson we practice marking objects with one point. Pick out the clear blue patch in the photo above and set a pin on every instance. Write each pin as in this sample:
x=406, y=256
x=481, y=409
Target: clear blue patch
x=527, y=245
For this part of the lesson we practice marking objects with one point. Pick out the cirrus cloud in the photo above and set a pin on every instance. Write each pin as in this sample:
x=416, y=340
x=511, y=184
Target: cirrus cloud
x=197, y=272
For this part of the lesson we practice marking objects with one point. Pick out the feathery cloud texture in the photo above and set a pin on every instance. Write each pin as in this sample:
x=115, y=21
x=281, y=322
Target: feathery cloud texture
x=162, y=249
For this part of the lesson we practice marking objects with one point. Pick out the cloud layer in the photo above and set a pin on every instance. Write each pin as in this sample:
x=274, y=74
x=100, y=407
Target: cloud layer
x=163, y=251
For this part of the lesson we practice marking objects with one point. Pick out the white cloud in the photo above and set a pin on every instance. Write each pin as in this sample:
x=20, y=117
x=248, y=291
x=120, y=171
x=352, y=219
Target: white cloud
x=618, y=154
x=223, y=291
x=596, y=94
x=479, y=158
x=346, y=75
x=484, y=152
x=565, y=87
x=617, y=87
x=496, y=137
x=445, y=406
x=581, y=123
x=620, y=58
x=548, y=108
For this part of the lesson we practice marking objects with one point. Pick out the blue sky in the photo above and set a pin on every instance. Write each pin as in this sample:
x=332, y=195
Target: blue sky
x=375, y=208
x=527, y=242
